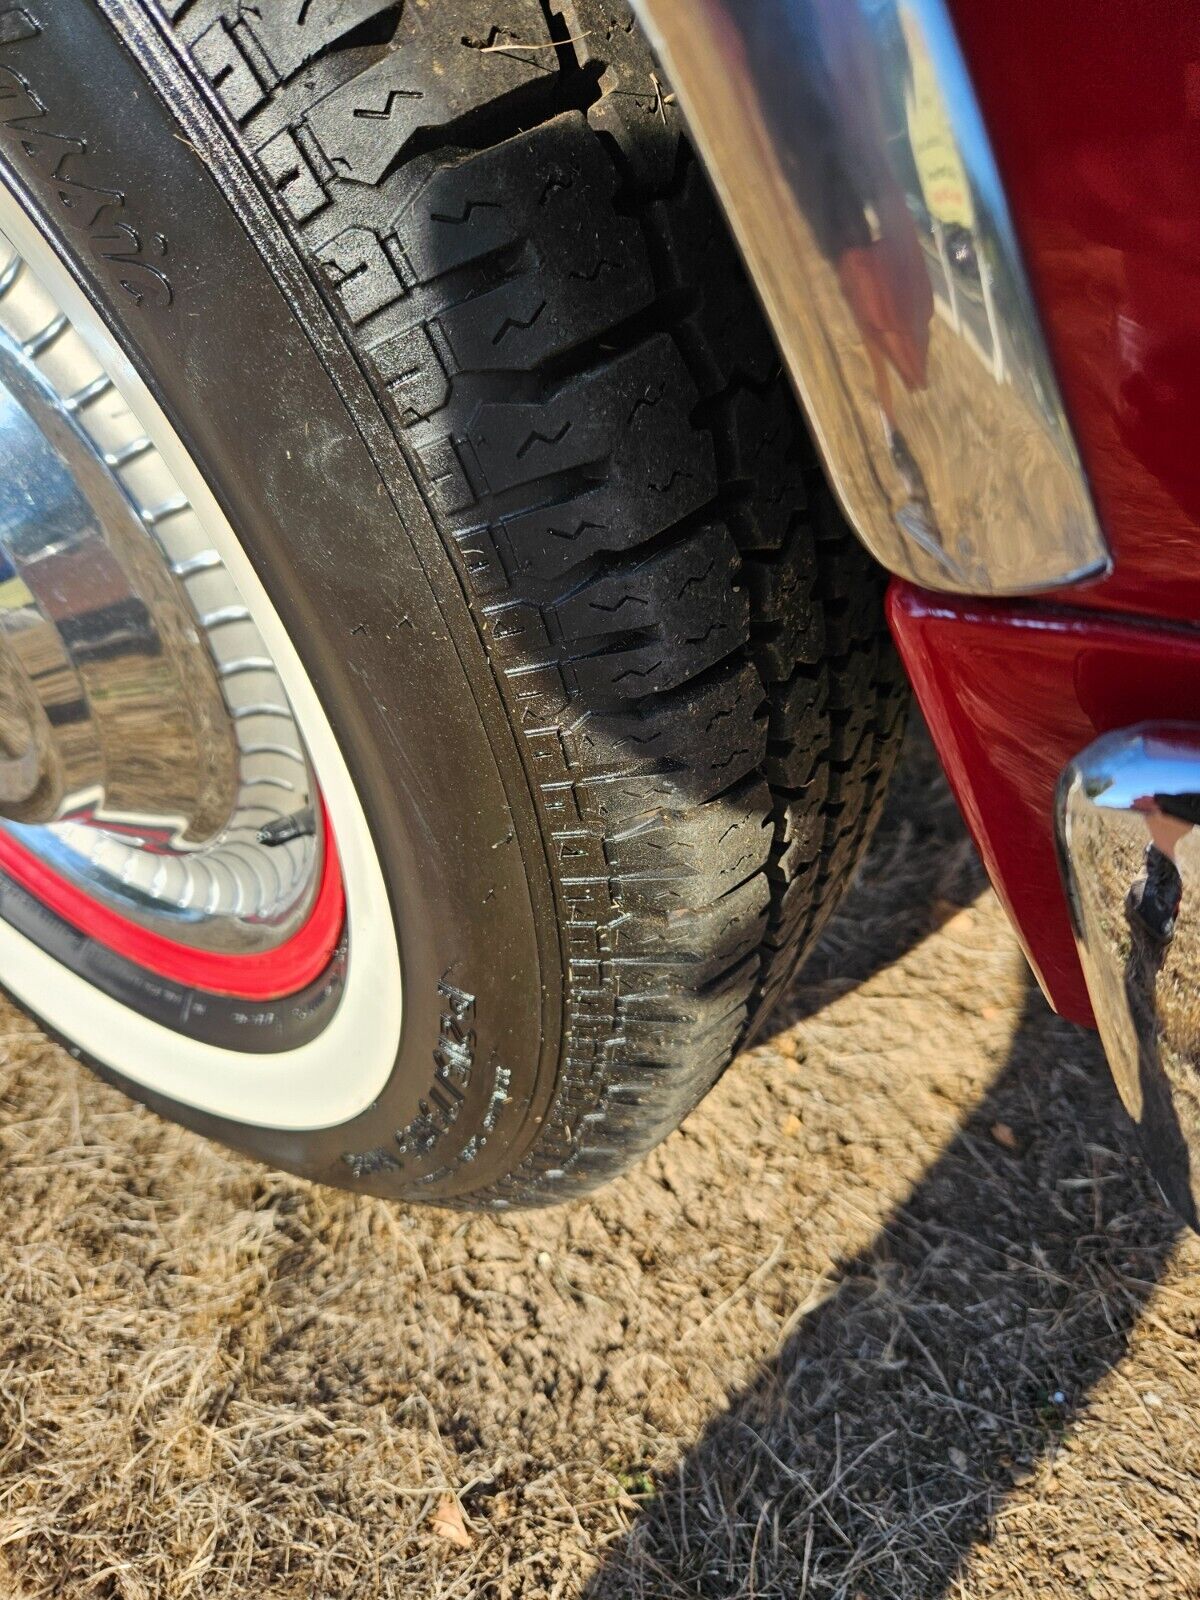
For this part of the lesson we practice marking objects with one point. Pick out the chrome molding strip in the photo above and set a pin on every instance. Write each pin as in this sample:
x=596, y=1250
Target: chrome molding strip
x=846, y=144
x=1128, y=814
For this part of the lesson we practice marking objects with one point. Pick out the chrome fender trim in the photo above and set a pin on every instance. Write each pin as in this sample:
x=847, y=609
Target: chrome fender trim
x=1127, y=813
x=846, y=144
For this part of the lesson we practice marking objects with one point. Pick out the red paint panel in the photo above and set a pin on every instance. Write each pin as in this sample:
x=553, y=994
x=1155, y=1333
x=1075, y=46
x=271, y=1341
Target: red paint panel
x=266, y=975
x=1093, y=107
x=1010, y=695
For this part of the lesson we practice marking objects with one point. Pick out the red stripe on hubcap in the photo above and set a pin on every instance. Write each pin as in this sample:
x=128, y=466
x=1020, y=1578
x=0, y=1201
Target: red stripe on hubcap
x=263, y=975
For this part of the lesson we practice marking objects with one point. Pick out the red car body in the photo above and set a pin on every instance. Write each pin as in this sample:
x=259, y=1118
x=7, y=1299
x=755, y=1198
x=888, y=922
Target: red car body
x=1094, y=119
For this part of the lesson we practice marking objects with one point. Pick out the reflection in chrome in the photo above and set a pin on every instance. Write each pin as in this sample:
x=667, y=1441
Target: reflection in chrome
x=147, y=749
x=1128, y=809
x=846, y=143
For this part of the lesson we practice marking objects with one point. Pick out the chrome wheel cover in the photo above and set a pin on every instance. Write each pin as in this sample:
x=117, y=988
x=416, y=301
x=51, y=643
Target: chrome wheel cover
x=147, y=747
x=312, y=1080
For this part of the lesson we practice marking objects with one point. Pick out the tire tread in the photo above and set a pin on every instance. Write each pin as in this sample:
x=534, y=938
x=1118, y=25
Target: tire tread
x=508, y=218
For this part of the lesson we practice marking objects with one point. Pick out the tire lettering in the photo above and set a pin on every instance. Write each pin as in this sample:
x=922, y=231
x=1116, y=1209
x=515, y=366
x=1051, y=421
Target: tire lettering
x=54, y=161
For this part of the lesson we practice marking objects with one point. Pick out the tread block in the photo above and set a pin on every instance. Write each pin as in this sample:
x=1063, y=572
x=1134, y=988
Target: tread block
x=684, y=606
x=636, y=109
x=690, y=859
x=607, y=420
x=552, y=186
x=543, y=198
x=291, y=177
x=658, y=469
x=544, y=313
x=290, y=32
x=436, y=75
x=852, y=702
x=683, y=944
x=800, y=826
x=800, y=731
x=789, y=624
x=413, y=374
x=695, y=1024
x=227, y=69
x=678, y=750
x=762, y=448
x=515, y=443
x=358, y=268
x=721, y=339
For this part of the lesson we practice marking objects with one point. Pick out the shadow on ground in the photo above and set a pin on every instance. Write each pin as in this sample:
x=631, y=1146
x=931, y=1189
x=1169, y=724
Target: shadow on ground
x=948, y=1361
x=895, y=1314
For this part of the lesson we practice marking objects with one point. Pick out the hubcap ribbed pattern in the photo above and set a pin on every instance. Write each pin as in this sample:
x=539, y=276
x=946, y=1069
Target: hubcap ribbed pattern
x=244, y=878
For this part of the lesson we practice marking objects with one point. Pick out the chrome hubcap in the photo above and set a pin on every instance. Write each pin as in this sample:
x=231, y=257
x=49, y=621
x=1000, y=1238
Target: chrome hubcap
x=112, y=701
x=147, y=748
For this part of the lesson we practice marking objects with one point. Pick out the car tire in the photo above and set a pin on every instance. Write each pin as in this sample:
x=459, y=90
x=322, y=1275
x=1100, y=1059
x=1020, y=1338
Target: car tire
x=442, y=308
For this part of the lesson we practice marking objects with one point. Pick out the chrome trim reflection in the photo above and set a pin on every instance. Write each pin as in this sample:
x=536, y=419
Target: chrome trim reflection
x=1128, y=812
x=847, y=146
x=120, y=687
x=147, y=749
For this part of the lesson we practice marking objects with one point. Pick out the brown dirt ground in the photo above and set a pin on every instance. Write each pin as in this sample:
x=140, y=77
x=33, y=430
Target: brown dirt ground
x=896, y=1314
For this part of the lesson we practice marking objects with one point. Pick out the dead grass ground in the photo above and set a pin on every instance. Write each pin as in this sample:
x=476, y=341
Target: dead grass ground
x=896, y=1314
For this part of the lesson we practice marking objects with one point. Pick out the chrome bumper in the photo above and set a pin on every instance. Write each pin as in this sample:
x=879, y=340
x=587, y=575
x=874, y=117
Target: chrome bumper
x=845, y=141
x=1128, y=810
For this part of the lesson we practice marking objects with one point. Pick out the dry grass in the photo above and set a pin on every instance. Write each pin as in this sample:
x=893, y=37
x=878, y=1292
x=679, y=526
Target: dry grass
x=811, y=1347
